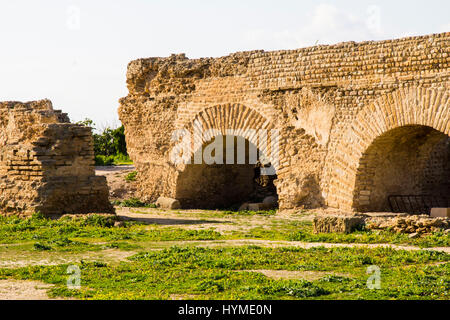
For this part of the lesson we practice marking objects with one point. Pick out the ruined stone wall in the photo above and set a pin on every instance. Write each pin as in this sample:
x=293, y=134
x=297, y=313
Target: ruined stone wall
x=47, y=163
x=330, y=103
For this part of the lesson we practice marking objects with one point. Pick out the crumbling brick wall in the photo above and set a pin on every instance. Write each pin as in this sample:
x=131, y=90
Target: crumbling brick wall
x=330, y=103
x=47, y=163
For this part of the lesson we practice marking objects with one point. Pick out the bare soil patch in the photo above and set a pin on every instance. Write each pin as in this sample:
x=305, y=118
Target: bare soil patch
x=23, y=290
x=15, y=259
x=119, y=188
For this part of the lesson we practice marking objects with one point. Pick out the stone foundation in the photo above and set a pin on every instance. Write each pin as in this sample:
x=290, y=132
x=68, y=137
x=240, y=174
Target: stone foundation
x=419, y=224
x=47, y=163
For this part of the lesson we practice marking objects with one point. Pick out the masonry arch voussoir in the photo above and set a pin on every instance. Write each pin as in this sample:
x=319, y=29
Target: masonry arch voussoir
x=232, y=119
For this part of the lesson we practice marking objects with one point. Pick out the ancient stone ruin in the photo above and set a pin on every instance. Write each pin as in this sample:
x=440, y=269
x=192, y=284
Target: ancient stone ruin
x=362, y=126
x=47, y=163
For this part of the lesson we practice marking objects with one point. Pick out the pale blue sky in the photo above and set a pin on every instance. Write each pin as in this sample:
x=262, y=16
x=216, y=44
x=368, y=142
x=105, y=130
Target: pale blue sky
x=75, y=52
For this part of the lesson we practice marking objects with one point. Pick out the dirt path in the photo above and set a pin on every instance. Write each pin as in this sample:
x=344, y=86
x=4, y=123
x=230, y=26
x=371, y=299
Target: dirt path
x=23, y=290
x=14, y=259
x=119, y=188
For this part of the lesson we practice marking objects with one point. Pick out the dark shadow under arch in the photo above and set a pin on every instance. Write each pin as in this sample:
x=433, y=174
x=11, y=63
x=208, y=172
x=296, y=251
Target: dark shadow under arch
x=412, y=160
x=222, y=185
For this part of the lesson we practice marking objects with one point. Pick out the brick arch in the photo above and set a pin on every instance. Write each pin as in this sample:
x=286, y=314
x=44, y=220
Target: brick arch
x=403, y=107
x=231, y=119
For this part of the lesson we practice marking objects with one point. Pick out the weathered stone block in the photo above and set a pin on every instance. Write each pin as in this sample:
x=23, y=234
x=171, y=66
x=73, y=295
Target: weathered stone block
x=52, y=151
x=329, y=223
x=440, y=212
x=168, y=203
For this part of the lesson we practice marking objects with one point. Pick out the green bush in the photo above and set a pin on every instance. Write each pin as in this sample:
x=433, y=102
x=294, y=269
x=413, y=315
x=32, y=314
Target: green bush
x=122, y=159
x=101, y=160
x=109, y=146
x=131, y=176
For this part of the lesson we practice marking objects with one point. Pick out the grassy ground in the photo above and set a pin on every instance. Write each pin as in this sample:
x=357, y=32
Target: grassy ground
x=196, y=258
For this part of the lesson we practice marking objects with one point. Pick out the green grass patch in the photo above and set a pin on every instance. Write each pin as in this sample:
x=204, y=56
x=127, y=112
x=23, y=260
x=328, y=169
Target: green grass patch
x=224, y=273
x=119, y=159
x=303, y=231
x=76, y=233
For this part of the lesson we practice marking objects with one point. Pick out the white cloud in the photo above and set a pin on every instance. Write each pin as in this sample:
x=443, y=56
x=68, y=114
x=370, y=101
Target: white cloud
x=327, y=24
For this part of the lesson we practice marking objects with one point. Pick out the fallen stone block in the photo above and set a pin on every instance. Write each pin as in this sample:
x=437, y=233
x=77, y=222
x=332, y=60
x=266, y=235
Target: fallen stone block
x=440, y=212
x=338, y=223
x=168, y=203
x=270, y=202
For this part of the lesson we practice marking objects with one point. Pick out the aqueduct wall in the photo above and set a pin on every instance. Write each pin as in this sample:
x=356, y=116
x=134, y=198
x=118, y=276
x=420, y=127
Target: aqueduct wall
x=47, y=163
x=345, y=113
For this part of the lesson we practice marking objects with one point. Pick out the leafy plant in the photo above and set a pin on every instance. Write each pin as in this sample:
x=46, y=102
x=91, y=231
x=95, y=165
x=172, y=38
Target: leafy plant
x=131, y=176
x=109, y=145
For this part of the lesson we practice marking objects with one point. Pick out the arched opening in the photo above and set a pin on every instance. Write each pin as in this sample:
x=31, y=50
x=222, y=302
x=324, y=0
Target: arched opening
x=238, y=172
x=407, y=169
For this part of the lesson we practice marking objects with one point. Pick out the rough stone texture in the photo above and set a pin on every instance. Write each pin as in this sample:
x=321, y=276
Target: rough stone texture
x=168, y=203
x=409, y=224
x=440, y=212
x=342, y=110
x=337, y=223
x=47, y=163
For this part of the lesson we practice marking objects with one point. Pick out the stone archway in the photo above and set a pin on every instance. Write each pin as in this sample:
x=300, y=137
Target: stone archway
x=404, y=169
x=405, y=107
x=235, y=178
x=227, y=182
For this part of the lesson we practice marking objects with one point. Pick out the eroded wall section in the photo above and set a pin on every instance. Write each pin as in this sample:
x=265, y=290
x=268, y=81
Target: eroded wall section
x=47, y=163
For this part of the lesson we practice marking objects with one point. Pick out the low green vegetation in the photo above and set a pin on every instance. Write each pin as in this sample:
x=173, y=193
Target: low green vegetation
x=131, y=176
x=117, y=160
x=226, y=273
x=70, y=233
x=167, y=261
x=279, y=229
x=303, y=231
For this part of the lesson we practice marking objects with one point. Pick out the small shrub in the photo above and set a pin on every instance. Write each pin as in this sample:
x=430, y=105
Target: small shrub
x=101, y=160
x=131, y=176
x=121, y=158
x=99, y=221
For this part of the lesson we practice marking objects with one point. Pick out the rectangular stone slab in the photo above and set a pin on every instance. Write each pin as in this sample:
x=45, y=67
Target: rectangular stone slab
x=440, y=212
